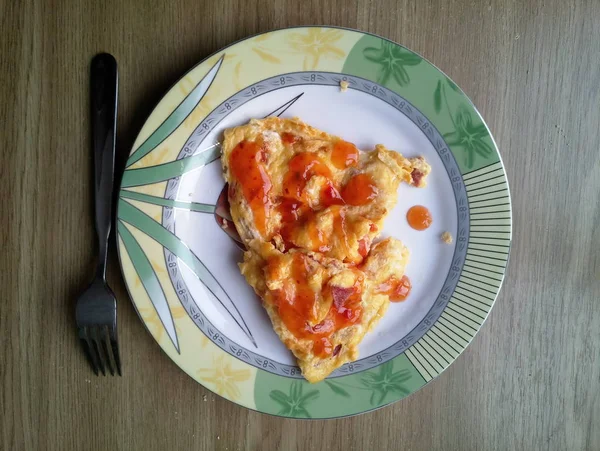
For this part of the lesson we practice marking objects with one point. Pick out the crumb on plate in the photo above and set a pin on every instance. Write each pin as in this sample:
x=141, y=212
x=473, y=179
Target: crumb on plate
x=344, y=85
x=446, y=237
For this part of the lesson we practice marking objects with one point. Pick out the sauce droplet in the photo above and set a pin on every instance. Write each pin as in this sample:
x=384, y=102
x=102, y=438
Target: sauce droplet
x=419, y=217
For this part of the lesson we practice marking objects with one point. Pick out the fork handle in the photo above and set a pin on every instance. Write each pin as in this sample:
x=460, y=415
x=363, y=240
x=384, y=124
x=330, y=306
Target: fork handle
x=104, y=86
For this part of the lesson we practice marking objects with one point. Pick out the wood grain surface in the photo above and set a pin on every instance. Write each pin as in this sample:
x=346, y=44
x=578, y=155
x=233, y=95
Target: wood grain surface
x=531, y=378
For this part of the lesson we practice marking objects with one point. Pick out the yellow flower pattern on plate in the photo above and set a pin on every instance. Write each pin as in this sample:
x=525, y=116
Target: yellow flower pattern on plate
x=223, y=378
x=316, y=43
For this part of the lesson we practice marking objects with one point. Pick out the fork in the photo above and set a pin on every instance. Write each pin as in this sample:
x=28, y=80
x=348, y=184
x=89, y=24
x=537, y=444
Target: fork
x=96, y=310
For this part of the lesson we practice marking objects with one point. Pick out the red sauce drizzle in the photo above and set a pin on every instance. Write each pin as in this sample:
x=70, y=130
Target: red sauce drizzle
x=330, y=196
x=322, y=347
x=360, y=190
x=297, y=216
x=344, y=154
x=363, y=248
x=397, y=289
x=318, y=240
x=345, y=311
x=296, y=301
x=247, y=166
x=301, y=168
x=289, y=138
x=339, y=229
x=297, y=305
x=346, y=304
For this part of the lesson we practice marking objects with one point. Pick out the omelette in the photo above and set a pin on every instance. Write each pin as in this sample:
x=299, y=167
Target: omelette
x=309, y=208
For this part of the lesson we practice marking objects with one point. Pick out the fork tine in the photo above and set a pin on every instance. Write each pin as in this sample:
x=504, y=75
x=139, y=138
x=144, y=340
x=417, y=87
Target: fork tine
x=85, y=342
x=95, y=340
x=115, y=349
x=107, y=353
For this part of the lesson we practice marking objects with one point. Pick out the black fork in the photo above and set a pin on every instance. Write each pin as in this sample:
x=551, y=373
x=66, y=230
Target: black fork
x=96, y=311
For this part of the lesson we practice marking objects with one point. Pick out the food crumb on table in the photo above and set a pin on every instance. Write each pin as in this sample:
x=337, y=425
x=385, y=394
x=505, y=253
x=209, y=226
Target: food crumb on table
x=447, y=237
x=344, y=85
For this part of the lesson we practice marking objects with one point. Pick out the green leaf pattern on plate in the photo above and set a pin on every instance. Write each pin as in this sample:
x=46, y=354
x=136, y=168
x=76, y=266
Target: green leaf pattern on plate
x=437, y=98
x=337, y=396
x=177, y=116
x=294, y=404
x=137, y=218
x=147, y=276
x=166, y=171
x=171, y=203
x=392, y=60
x=383, y=381
x=469, y=135
x=380, y=381
x=337, y=389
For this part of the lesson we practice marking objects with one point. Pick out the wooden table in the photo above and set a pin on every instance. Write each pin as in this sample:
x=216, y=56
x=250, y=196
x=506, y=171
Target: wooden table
x=530, y=379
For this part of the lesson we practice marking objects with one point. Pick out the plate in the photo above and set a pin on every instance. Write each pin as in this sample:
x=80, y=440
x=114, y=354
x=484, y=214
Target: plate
x=181, y=268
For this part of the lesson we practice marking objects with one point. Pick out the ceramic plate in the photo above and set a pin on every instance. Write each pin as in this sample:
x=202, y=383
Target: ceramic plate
x=181, y=268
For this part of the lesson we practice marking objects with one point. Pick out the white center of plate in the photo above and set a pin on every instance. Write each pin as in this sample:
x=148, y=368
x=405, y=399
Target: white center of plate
x=366, y=121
